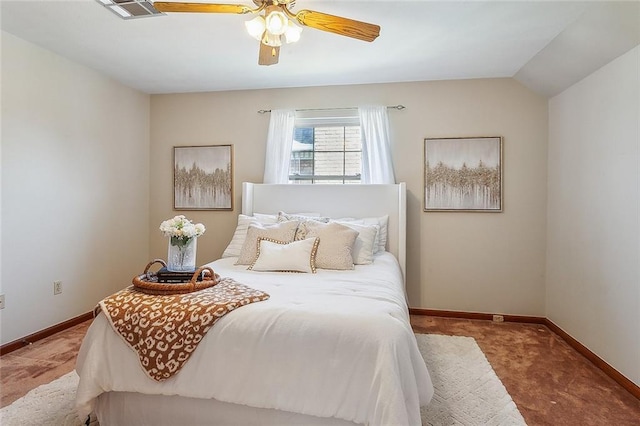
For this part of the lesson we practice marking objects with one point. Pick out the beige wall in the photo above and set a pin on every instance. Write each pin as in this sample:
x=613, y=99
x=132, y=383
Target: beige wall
x=75, y=187
x=593, y=257
x=484, y=262
x=87, y=178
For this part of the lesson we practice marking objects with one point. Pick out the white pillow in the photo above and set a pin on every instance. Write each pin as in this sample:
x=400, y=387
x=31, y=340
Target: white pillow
x=382, y=222
x=284, y=232
x=298, y=256
x=363, y=248
x=336, y=244
x=240, y=234
x=266, y=218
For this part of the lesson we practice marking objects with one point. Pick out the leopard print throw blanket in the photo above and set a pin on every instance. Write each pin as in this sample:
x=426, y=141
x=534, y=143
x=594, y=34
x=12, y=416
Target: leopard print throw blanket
x=165, y=330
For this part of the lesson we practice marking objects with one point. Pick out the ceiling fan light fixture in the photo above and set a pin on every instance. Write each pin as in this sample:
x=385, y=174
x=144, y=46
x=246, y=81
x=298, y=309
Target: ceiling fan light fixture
x=256, y=27
x=292, y=34
x=272, y=40
x=276, y=22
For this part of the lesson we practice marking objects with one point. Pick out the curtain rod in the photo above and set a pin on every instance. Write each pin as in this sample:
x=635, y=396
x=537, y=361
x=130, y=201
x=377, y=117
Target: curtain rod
x=398, y=107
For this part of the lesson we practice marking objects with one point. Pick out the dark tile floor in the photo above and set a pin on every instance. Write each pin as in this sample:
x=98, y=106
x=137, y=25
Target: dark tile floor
x=549, y=381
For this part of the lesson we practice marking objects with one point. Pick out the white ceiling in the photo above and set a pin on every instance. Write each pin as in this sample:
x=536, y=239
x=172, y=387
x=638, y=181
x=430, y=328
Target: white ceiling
x=546, y=45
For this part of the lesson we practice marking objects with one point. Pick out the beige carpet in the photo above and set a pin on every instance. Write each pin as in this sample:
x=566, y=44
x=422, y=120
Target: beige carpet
x=467, y=391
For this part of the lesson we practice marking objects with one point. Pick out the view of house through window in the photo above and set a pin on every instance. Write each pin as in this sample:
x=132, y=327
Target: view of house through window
x=326, y=154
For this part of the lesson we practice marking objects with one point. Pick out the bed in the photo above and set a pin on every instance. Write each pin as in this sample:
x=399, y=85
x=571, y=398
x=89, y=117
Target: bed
x=328, y=348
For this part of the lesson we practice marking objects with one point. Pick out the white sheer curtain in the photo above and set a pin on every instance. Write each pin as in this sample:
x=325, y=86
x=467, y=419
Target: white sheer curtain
x=279, y=142
x=377, y=166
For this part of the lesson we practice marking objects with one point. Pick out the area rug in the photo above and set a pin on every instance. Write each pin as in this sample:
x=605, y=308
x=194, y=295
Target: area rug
x=467, y=391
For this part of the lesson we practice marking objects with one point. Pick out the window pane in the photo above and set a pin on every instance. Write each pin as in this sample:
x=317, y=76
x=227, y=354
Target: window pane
x=329, y=154
x=329, y=138
x=329, y=163
x=352, y=138
x=303, y=135
x=301, y=163
x=352, y=162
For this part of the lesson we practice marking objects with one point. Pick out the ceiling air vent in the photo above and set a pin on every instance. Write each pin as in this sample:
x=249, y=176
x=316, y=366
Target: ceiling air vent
x=130, y=9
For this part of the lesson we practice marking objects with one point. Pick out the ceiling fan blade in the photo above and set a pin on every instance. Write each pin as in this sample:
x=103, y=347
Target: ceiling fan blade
x=268, y=55
x=338, y=25
x=169, y=6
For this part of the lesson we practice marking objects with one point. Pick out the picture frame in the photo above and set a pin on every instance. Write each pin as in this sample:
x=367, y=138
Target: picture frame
x=463, y=174
x=203, y=177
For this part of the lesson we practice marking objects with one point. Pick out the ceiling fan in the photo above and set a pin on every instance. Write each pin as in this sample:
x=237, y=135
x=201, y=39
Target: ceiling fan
x=277, y=22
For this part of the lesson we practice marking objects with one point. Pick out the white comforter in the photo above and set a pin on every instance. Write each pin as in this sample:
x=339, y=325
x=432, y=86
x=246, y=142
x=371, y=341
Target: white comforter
x=331, y=344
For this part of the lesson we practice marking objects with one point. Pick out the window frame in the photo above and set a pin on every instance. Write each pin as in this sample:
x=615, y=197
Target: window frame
x=322, y=119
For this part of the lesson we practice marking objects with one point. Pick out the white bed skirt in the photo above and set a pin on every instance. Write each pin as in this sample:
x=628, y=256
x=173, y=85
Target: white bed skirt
x=127, y=408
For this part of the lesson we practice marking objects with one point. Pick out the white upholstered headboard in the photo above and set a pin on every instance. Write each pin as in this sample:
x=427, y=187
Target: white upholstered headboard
x=336, y=201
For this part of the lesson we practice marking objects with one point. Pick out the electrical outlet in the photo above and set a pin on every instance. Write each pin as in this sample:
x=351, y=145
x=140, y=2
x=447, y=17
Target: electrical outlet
x=498, y=318
x=1, y=301
x=57, y=287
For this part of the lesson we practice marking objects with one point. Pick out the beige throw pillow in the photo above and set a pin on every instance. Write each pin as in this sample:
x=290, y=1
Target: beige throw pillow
x=284, y=232
x=283, y=217
x=335, y=250
x=298, y=256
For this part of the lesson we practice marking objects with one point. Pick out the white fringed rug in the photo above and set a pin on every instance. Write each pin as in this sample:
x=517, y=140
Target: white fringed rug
x=467, y=391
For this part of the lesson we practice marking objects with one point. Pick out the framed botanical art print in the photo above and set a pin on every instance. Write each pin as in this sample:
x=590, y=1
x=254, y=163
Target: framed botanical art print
x=463, y=174
x=203, y=177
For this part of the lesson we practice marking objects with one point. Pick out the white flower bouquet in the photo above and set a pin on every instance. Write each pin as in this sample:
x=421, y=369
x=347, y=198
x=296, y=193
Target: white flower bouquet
x=181, y=230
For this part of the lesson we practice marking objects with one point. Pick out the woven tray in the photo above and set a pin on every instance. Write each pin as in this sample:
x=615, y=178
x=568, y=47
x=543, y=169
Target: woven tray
x=147, y=282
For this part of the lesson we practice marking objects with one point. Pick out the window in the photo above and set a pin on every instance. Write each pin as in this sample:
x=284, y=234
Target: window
x=326, y=149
